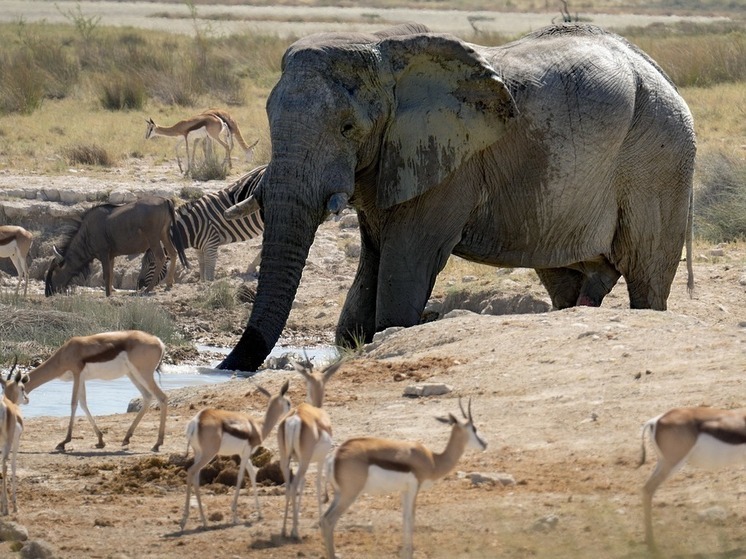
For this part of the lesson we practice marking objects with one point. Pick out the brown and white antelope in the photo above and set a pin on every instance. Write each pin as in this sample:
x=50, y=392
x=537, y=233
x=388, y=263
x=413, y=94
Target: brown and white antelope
x=11, y=428
x=106, y=356
x=707, y=438
x=215, y=432
x=15, y=243
x=374, y=465
x=196, y=127
x=305, y=435
x=235, y=132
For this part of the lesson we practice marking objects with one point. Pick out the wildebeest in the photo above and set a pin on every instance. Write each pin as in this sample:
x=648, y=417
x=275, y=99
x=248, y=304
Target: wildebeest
x=108, y=230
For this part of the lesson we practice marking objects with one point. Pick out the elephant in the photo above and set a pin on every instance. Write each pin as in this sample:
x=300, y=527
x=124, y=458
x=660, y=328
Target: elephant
x=568, y=151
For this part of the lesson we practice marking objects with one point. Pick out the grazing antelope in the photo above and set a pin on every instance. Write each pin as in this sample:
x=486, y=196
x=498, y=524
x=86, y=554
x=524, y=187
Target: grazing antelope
x=15, y=243
x=305, y=434
x=106, y=356
x=196, y=127
x=235, y=132
x=373, y=465
x=707, y=438
x=107, y=231
x=11, y=427
x=215, y=432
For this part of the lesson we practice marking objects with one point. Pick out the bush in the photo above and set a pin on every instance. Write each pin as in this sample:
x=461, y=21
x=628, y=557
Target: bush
x=88, y=155
x=219, y=295
x=212, y=166
x=22, y=83
x=122, y=92
x=720, y=200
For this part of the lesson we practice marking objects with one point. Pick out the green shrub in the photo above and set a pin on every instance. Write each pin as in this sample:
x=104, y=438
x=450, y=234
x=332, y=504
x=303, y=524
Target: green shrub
x=219, y=295
x=720, y=200
x=92, y=154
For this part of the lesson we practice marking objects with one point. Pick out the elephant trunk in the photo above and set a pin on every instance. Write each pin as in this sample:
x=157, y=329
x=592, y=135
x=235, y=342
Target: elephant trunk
x=289, y=229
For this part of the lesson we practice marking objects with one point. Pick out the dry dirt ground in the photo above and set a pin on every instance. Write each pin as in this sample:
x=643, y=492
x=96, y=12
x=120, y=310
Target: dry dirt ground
x=559, y=396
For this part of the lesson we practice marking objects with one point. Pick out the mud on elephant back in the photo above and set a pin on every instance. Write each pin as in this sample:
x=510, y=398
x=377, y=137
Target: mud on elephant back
x=568, y=151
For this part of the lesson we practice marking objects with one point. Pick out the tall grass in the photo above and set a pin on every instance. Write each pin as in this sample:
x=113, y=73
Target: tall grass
x=720, y=200
x=50, y=325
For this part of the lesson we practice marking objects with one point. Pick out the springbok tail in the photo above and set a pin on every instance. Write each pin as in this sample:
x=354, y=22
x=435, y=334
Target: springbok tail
x=649, y=426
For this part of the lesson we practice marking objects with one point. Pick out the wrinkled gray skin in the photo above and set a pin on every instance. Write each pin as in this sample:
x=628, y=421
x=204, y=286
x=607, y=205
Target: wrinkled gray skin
x=568, y=151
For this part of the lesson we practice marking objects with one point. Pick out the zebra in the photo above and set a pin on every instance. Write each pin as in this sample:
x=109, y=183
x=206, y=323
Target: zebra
x=202, y=226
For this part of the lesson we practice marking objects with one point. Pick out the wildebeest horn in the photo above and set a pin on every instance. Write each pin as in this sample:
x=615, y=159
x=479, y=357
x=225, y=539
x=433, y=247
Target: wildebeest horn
x=57, y=256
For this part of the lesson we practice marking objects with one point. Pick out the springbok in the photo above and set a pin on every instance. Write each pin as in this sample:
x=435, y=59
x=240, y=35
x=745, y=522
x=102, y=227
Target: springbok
x=15, y=243
x=196, y=127
x=373, y=465
x=215, y=432
x=235, y=132
x=106, y=356
x=707, y=438
x=305, y=434
x=11, y=427
x=107, y=231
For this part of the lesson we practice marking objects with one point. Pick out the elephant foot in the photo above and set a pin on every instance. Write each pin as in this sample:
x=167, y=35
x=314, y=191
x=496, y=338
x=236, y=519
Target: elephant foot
x=587, y=301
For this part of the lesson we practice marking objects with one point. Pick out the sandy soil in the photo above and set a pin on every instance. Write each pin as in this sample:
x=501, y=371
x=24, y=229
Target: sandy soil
x=559, y=396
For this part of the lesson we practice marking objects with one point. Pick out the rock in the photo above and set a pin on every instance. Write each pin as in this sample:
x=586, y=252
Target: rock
x=426, y=389
x=12, y=531
x=455, y=313
x=714, y=515
x=37, y=549
x=546, y=523
x=478, y=478
x=49, y=194
x=742, y=280
x=468, y=279
x=121, y=197
x=378, y=337
x=348, y=221
x=352, y=250
x=717, y=252
x=72, y=196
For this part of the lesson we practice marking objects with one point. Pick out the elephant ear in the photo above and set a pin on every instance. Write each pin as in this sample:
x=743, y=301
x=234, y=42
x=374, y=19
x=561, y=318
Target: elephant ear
x=449, y=104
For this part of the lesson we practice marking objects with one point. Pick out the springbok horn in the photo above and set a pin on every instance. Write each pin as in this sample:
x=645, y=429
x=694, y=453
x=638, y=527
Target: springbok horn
x=263, y=391
x=13, y=367
x=246, y=207
x=57, y=256
x=470, y=417
x=337, y=202
x=461, y=405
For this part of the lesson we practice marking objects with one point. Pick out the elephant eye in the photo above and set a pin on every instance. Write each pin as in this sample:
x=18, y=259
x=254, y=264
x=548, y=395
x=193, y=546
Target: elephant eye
x=347, y=129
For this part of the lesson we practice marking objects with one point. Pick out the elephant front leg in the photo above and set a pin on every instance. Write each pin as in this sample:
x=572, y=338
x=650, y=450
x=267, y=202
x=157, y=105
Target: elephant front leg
x=357, y=321
x=410, y=263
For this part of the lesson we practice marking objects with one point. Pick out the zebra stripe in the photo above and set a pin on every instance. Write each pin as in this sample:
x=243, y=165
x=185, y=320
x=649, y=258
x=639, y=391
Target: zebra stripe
x=203, y=226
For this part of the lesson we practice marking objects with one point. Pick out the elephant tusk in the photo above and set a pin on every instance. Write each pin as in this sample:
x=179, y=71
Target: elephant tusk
x=246, y=207
x=337, y=202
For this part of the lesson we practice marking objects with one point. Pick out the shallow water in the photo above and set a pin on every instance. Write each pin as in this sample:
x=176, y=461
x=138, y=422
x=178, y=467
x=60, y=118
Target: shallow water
x=113, y=396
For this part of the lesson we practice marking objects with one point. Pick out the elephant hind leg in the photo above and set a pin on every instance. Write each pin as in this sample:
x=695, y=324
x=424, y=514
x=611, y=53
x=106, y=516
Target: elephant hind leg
x=583, y=284
x=563, y=285
x=600, y=279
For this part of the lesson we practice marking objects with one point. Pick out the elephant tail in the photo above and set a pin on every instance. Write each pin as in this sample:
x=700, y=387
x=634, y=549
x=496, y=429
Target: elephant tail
x=689, y=263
